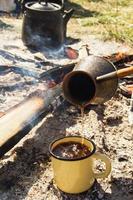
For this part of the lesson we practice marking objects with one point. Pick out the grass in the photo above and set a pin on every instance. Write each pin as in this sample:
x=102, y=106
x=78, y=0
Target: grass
x=108, y=19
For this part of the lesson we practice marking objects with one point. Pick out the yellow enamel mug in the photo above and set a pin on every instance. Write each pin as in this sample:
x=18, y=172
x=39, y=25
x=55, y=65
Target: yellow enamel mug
x=77, y=175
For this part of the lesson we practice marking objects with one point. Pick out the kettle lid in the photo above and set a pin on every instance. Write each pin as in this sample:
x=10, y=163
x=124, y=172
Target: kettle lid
x=45, y=6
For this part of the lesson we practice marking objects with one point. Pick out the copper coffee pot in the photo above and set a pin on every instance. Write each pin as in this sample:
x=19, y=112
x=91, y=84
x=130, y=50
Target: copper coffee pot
x=94, y=80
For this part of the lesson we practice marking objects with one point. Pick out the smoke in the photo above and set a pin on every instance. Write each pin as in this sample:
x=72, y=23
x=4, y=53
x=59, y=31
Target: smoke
x=45, y=44
x=23, y=75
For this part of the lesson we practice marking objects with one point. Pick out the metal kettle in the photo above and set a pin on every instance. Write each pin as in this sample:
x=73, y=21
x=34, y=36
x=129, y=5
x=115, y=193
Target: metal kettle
x=44, y=23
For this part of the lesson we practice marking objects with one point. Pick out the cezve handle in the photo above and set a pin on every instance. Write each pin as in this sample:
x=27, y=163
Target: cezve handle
x=119, y=73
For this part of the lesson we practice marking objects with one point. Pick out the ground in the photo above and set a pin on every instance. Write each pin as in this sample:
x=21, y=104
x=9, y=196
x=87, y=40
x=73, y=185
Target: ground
x=25, y=171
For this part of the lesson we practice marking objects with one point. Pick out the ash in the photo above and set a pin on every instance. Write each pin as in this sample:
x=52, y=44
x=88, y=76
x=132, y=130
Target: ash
x=25, y=171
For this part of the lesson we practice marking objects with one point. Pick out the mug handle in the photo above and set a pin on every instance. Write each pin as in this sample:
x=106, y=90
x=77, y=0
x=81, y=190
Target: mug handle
x=106, y=160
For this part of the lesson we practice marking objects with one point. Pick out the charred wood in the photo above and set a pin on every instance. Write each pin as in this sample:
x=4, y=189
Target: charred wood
x=19, y=120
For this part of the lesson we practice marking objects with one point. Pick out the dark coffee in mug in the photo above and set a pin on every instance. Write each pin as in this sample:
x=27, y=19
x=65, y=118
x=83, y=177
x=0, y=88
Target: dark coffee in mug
x=71, y=150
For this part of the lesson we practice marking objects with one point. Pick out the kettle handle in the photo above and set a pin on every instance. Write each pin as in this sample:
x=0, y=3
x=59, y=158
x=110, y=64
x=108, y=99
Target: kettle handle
x=67, y=15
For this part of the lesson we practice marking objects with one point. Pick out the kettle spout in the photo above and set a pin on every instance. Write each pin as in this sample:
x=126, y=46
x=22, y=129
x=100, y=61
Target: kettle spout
x=67, y=15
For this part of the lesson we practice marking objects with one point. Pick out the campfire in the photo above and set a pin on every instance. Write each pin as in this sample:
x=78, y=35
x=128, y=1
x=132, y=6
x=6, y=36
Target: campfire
x=50, y=79
x=39, y=73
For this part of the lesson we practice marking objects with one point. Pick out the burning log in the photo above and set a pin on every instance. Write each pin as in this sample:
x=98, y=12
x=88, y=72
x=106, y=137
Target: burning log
x=17, y=122
x=120, y=57
x=71, y=53
x=55, y=72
